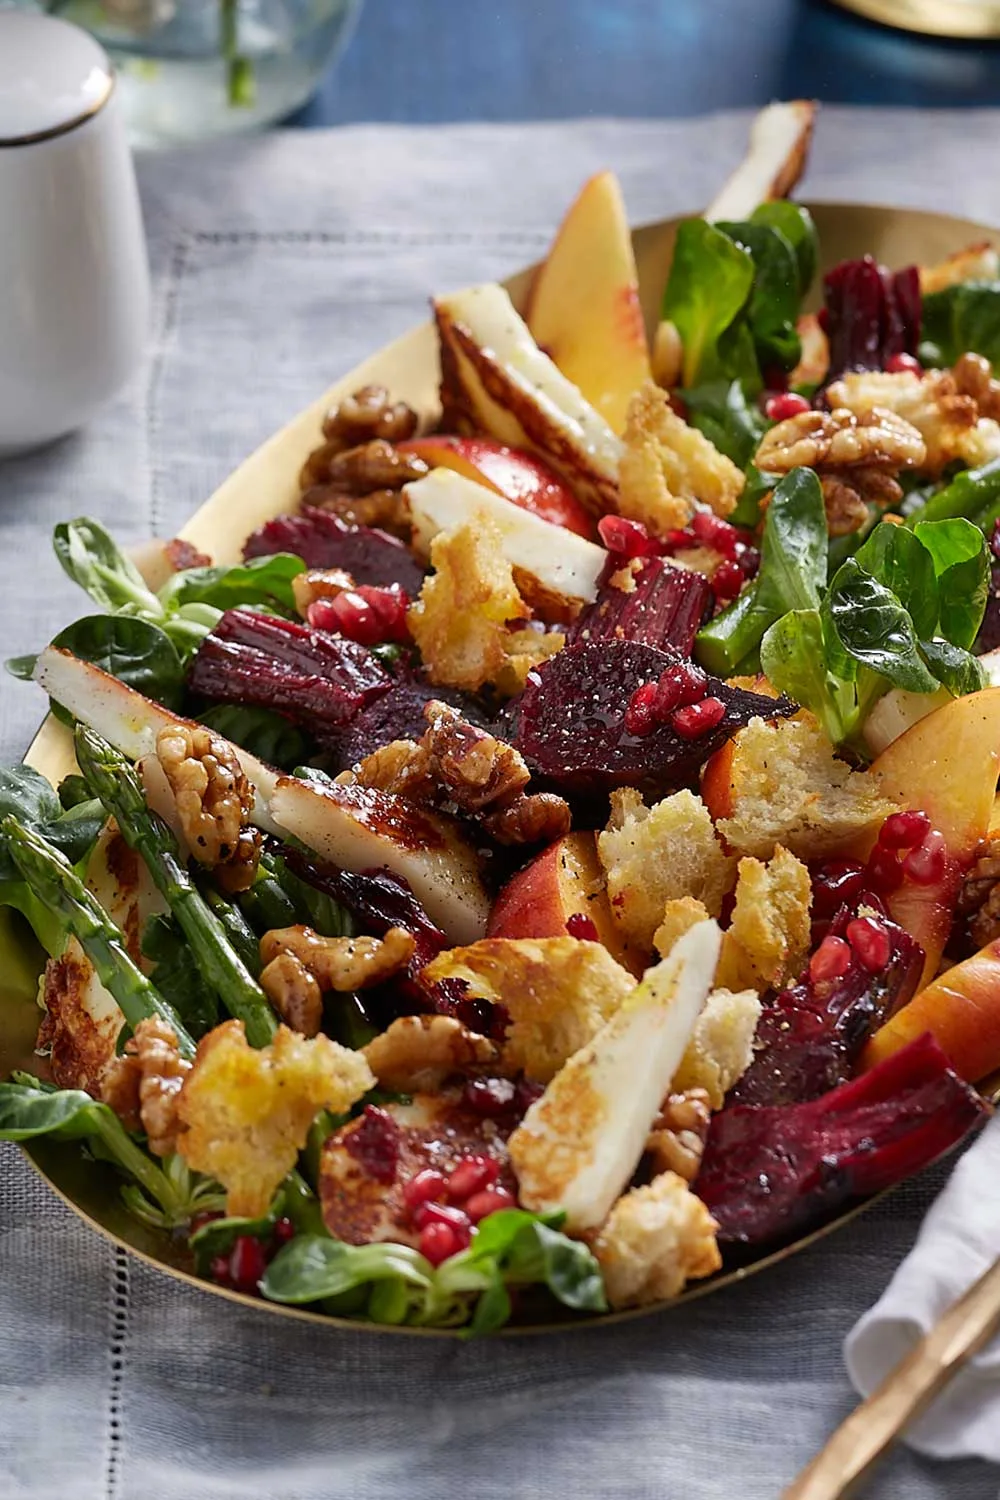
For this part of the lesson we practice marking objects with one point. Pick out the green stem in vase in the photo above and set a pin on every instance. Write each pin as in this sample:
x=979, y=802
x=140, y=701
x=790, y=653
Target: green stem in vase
x=239, y=70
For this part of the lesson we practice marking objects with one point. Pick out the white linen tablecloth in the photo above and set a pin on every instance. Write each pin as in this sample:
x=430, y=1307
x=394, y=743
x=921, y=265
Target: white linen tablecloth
x=278, y=263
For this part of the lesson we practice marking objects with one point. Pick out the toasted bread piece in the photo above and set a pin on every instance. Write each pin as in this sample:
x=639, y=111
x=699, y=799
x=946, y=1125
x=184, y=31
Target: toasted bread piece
x=720, y=1048
x=788, y=787
x=768, y=937
x=655, y=1240
x=668, y=467
x=653, y=855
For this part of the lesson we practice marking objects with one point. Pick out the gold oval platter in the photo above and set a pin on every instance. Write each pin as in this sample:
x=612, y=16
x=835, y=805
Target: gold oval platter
x=266, y=485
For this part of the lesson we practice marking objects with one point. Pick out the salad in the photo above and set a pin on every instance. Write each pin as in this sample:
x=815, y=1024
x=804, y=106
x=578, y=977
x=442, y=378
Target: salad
x=561, y=857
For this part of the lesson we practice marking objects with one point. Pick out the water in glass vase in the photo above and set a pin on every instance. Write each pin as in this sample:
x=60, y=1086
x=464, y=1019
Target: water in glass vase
x=192, y=69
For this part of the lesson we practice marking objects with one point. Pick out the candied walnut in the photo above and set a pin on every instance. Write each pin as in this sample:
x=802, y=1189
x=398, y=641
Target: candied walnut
x=979, y=898
x=181, y=554
x=840, y=439
x=667, y=466
x=212, y=795
x=653, y=855
x=385, y=509
x=655, y=1240
x=246, y=1111
x=468, y=620
x=363, y=470
x=558, y=993
x=240, y=870
x=143, y=1086
x=540, y=818
x=973, y=377
x=846, y=509
x=457, y=763
x=341, y=963
x=319, y=583
x=787, y=786
x=676, y=1142
x=720, y=1048
x=769, y=935
x=417, y=1054
x=367, y=413
x=294, y=993
x=932, y=403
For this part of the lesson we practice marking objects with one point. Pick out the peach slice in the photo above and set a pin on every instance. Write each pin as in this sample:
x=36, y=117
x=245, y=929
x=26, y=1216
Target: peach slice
x=945, y=765
x=962, y=1011
x=519, y=477
x=583, y=307
x=564, y=881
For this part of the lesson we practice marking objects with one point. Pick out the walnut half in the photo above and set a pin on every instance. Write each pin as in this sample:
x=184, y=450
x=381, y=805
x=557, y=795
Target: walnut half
x=214, y=801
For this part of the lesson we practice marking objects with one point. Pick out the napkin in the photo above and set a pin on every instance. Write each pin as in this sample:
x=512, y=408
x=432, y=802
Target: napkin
x=959, y=1240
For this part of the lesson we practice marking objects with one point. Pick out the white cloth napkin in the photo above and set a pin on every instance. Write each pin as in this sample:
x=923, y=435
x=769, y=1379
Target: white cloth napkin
x=958, y=1241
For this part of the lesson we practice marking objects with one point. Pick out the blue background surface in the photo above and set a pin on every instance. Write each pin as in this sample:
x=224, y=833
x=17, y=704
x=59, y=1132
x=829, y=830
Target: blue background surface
x=433, y=60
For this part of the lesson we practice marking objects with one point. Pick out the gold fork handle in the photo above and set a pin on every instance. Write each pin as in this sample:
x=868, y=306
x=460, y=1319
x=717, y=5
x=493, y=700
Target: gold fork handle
x=906, y=1391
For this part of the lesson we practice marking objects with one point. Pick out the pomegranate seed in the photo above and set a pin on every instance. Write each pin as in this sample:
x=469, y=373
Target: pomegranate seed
x=247, y=1262
x=675, y=541
x=904, y=830
x=885, y=873
x=899, y=364
x=714, y=532
x=365, y=614
x=284, y=1230
x=438, y=1242
x=835, y=882
x=728, y=579
x=831, y=960
x=453, y=1218
x=628, y=538
x=680, y=684
x=424, y=1188
x=579, y=925
x=640, y=717
x=697, y=718
x=471, y=1176
x=870, y=942
x=219, y=1270
x=490, y=1097
x=925, y=865
x=489, y=1202
x=788, y=404
x=200, y=1220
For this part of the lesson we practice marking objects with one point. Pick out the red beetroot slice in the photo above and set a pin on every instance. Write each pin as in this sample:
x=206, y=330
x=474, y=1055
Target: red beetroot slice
x=872, y=314
x=323, y=540
x=313, y=677
x=770, y=1172
x=569, y=723
x=665, y=608
x=397, y=714
x=811, y=1035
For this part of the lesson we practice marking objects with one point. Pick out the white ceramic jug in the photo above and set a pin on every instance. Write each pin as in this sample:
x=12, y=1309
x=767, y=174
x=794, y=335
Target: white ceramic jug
x=74, y=278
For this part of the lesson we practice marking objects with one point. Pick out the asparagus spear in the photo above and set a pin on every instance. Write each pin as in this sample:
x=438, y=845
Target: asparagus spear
x=112, y=778
x=972, y=493
x=58, y=887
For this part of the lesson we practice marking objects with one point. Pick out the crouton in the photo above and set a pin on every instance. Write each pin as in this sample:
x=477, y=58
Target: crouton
x=653, y=855
x=788, y=787
x=245, y=1112
x=679, y=915
x=460, y=620
x=769, y=935
x=668, y=467
x=558, y=993
x=931, y=403
x=978, y=262
x=721, y=1046
x=655, y=1240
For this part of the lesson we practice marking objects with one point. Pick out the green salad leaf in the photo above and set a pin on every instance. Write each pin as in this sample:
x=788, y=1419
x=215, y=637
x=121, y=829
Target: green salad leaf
x=961, y=318
x=875, y=630
x=266, y=734
x=92, y=558
x=262, y=580
x=134, y=650
x=710, y=282
x=722, y=412
x=774, y=301
x=962, y=573
x=796, y=224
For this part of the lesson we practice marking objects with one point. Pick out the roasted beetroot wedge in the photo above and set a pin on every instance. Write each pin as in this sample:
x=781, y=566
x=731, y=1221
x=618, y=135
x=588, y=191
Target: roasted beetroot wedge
x=397, y=714
x=871, y=314
x=315, y=678
x=811, y=1035
x=572, y=721
x=664, y=607
x=773, y=1171
x=323, y=540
